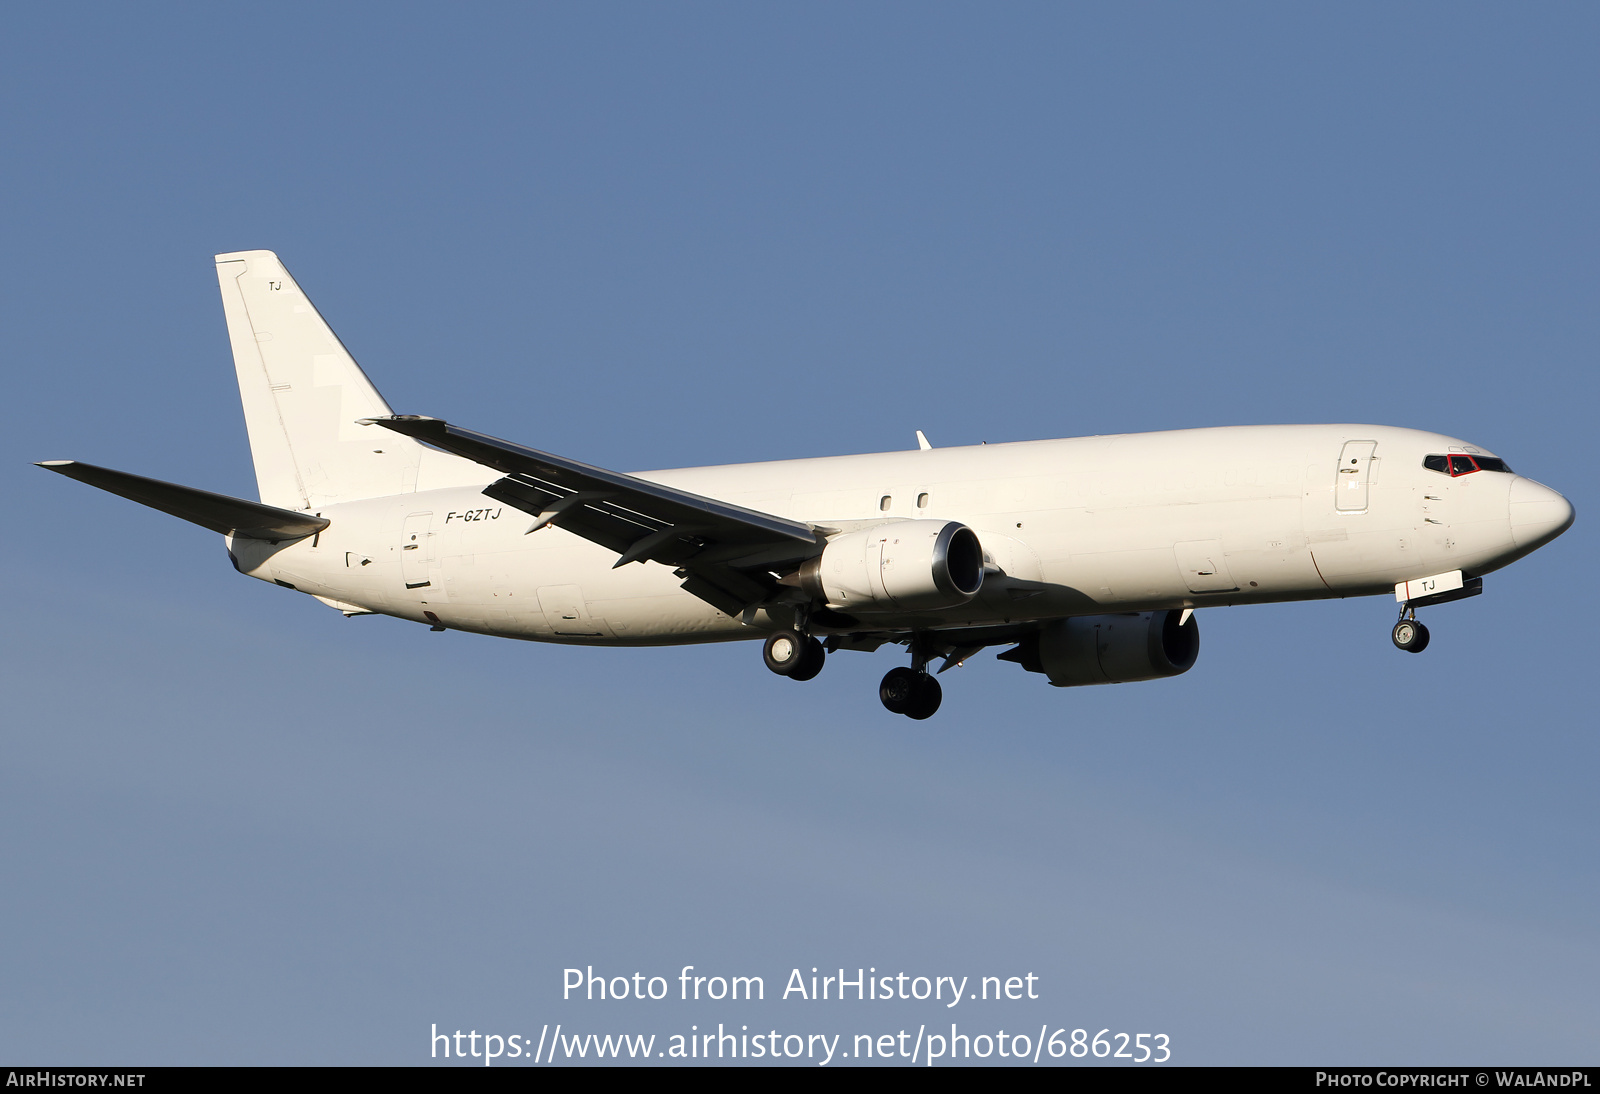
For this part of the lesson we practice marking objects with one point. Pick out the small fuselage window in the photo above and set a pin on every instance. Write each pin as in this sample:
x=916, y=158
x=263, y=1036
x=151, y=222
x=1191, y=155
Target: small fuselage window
x=1457, y=464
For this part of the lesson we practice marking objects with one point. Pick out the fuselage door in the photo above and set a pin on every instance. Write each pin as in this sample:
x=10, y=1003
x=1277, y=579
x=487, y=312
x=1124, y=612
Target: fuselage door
x=416, y=550
x=1354, y=476
x=1203, y=566
x=567, y=614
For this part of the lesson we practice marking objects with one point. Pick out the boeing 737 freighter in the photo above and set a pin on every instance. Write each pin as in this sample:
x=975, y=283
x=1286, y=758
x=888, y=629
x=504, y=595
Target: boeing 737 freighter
x=1087, y=557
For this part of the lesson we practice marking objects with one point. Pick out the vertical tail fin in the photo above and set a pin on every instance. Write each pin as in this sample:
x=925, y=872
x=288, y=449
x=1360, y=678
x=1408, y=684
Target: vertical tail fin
x=303, y=393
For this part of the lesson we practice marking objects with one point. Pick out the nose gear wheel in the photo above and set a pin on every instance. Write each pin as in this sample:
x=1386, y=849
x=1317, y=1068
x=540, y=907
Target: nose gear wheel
x=1410, y=635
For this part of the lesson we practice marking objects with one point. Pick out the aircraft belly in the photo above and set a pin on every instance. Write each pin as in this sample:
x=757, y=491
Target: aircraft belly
x=1195, y=553
x=1132, y=575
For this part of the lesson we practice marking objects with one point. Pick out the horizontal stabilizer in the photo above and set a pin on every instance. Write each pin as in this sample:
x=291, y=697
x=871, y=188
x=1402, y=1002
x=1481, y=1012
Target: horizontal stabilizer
x=218, y=512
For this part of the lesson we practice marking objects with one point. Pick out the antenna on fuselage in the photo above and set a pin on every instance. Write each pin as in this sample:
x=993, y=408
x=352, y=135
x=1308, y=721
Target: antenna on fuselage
x=922, y=442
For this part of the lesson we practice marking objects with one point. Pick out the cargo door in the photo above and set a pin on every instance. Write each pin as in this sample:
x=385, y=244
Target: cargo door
x=1354, y=477
x=566, y=614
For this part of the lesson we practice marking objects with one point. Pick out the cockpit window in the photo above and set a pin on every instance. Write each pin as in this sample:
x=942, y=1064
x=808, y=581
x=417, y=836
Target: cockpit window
x=1457, y=464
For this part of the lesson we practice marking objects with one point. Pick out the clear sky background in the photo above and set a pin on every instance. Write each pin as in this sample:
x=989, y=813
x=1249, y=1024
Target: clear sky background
x=236, y=827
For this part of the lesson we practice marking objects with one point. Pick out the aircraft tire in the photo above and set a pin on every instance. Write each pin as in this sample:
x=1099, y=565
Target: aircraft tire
x=927, y=699
x=898, y=690
x=1409, y=635
x=812, y=658
x=784, y=653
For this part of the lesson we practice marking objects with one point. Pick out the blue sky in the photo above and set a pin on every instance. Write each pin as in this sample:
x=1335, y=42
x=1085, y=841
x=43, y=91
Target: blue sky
x=239, y=828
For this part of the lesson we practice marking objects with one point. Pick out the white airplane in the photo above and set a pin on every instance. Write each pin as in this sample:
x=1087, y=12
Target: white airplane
x=1088, y=556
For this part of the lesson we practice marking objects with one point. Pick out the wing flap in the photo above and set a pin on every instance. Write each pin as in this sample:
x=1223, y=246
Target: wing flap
x=560, y=476
x=725, y=553
x=218, y=512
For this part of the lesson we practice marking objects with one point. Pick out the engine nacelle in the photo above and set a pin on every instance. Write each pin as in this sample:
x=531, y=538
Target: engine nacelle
x=1111, y=649
x=903, y=566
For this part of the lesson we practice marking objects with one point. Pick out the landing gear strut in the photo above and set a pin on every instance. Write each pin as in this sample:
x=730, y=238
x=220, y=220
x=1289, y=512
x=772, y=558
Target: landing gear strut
x=792, y=654
x=1409, y=634
x=911, y=691
x=1412, y=636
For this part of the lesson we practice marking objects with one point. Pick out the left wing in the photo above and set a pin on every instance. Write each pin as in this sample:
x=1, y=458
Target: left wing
x=727, y=554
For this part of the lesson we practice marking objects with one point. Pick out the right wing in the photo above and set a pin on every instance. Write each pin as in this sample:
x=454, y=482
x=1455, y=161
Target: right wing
x=725, y=553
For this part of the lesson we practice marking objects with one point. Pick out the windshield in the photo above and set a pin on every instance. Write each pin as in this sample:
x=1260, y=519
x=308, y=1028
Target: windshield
x=1458, y=463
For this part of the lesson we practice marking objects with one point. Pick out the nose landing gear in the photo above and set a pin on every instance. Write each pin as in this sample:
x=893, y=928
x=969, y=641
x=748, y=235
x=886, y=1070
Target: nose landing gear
x=1409, y=634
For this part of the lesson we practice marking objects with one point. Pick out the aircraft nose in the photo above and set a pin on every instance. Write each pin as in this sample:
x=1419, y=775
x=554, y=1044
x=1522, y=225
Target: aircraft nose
x=1538, y=514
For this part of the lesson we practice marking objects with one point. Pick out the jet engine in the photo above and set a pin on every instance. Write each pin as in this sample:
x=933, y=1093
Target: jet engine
x=903, y=566
x=1110, y=649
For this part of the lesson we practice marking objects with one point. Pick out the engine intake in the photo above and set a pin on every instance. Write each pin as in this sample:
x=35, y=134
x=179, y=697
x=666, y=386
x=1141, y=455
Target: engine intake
x=906, y=566
x=1110, y=649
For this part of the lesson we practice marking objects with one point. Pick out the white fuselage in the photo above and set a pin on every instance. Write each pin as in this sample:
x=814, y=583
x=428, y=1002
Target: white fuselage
x=1081, y=526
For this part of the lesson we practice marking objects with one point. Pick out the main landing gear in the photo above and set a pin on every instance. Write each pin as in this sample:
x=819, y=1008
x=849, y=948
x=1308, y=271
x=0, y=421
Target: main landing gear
x=911, y=691
x=1409, y=634
x=792, y=654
